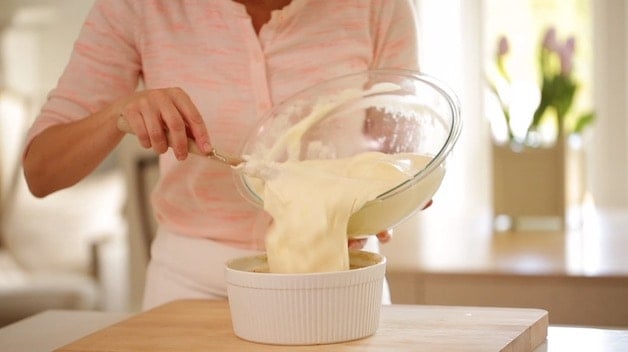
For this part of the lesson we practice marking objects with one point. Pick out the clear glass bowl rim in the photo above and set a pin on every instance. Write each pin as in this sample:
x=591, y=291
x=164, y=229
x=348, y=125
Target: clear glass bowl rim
x=439, y=86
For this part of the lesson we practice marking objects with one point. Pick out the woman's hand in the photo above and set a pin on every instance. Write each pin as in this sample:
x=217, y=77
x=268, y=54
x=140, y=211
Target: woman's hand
x=359, y=243
x=163, y=118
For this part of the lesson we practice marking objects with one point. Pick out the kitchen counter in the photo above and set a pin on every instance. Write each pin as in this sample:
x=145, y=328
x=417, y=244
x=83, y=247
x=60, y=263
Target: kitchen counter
x=53, y=329
x=428, y=242
x=579, y=275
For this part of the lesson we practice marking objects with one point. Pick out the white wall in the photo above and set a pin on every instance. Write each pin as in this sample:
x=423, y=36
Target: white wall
x=450, y=44
x=38, y=42
x=608, y=147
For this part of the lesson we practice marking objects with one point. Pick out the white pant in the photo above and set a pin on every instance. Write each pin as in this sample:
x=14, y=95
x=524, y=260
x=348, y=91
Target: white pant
x=189, y=267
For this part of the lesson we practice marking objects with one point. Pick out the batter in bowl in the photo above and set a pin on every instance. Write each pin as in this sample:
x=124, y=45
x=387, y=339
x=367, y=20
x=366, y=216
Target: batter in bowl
x=311, y=202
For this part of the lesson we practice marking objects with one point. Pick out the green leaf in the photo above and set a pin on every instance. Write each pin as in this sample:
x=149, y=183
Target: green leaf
x=583, y=121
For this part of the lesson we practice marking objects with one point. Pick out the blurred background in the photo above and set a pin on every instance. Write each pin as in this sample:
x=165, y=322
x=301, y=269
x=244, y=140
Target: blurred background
x=86, y=247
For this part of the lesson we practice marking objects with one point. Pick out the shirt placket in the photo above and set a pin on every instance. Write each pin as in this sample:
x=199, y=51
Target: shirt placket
x=257, y=68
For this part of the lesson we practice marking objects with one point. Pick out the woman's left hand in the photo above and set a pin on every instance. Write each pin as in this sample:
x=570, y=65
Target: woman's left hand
x=359, y=243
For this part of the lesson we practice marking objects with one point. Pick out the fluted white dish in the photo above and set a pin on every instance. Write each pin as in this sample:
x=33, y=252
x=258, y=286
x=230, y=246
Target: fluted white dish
x=305, y=309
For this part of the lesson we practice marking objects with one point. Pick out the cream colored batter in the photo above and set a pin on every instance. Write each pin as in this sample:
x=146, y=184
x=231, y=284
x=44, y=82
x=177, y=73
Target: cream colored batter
x=312, y=201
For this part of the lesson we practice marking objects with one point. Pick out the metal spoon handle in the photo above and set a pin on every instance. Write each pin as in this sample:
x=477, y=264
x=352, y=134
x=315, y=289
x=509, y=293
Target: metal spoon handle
x=124, y=126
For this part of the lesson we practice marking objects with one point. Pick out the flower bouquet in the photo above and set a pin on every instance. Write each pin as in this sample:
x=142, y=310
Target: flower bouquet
x=556, y=95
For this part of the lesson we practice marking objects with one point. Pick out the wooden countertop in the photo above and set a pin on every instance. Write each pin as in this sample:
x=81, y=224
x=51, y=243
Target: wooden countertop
x=579, y=275
x=52, y=329
x=202, y=325
x=433, y=242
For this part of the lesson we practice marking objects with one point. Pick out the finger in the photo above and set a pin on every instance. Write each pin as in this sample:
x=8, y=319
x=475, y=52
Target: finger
x=385, y=236
x=192, y=117
x=177, y=132
x=357, y=243
x=154, y=124
x=135, y=120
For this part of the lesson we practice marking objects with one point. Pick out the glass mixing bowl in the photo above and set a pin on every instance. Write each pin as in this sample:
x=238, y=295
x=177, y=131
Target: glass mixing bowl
x=390, y=111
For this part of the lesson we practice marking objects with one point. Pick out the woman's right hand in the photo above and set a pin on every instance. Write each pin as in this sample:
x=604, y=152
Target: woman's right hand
x=163, y=118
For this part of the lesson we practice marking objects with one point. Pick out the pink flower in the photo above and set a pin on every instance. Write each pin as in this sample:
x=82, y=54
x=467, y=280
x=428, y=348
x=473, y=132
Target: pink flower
x=570, y=45
x=503, y=46
x=566, y=53
x=549, y=40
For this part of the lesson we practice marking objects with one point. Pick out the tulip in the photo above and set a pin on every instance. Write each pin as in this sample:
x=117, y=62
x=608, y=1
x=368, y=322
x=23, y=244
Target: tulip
x=566, y=54
x=549, y=40
x=502, y=46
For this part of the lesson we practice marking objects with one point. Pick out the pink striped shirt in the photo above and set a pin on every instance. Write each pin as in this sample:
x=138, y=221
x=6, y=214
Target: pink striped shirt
x=210, y=49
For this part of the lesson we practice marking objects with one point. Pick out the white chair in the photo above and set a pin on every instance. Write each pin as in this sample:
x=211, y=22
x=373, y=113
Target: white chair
x=54, y=250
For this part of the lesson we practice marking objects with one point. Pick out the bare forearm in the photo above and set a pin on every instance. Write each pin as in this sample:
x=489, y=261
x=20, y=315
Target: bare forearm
x=62, y=155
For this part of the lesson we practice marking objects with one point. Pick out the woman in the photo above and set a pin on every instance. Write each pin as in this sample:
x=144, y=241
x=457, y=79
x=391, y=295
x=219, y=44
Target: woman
x=209, y=71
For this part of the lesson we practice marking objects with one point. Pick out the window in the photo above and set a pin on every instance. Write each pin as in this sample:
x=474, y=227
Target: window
x=458, y=39
x=533, y=26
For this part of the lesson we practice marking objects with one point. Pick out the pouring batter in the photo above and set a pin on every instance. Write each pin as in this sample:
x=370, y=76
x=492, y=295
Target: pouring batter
x=312, y=201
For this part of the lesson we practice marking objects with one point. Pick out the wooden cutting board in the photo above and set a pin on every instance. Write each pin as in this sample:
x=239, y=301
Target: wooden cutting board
x=203, y=325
